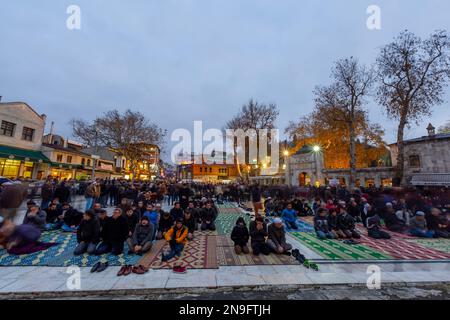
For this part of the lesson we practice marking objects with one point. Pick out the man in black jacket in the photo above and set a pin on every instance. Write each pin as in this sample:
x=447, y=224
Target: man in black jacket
x=88, y=234
x=115, y=233
x=208, y=217
x=258, y=234
x=346, y=223
x=190, y=223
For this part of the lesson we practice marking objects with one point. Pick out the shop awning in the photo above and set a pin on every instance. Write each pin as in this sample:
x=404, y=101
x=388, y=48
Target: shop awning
x=431, y=179
x=65, y=165
x=22, y=154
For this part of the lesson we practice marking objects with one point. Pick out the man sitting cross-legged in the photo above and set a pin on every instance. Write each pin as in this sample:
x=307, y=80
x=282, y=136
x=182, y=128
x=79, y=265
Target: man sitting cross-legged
x=141, y=240
x=277, y=238
x=177, y=239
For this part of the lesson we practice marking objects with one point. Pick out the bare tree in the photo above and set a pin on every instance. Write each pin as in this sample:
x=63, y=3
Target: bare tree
x=256, y=116
x=128, y=133
x=412, y=75
x=343, y=101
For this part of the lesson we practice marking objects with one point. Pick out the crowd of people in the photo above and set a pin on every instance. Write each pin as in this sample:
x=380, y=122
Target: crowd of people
x=138, y=218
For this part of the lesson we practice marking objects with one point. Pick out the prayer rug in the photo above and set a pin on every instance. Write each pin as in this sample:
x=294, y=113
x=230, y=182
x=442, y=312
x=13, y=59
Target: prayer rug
x=336, y=250
x=442, y=245
x=403, y=249
x=200, y=253
x=225, y=222
x=61, y=254
x=227, y=257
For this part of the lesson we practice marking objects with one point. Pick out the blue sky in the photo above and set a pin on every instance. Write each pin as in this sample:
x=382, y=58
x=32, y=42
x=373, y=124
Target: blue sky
x=183, y=60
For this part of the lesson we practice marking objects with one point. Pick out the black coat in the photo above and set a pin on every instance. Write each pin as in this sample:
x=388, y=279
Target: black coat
x=88, y=231
x=72, y=217
x=117, y=230
x=132, y=221
x=165, y=224
x=191, y=224
x=208, y=214
x=258, y=236
x=240, y=235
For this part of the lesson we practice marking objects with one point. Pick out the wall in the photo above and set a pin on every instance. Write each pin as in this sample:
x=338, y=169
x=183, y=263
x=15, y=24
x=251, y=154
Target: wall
x=22, y=115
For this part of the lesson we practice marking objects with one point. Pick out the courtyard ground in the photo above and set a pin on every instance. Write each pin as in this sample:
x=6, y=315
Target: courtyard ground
x=408, y=269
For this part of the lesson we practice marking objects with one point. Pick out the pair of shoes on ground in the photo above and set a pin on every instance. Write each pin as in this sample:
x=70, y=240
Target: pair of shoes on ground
x=128, y=269
x=305, y=262
x=179, y=269
x=99, y=267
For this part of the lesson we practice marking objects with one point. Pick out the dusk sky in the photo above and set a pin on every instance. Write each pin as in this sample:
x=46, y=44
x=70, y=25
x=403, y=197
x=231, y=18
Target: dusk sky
x=183, y=60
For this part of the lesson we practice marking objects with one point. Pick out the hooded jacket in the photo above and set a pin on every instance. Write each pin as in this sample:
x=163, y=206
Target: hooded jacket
x=240, y=234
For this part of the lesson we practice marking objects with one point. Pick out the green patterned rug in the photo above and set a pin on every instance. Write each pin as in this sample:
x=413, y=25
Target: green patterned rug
x=225, y=222
x=336, y=250
x=436, y=244
x=61, y=255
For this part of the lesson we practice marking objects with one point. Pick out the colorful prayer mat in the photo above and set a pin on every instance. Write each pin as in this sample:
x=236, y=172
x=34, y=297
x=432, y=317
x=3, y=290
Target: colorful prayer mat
x=225, y=222
x=402, y=249
x=200, y=253
x=301, y=225
x=61, y=255
x=227, y=257
x=336, y=250
x=442, y=245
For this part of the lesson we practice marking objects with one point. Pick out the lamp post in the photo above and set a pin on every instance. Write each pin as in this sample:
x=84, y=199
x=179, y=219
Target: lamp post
x=95, y=157
x=316, y=150
x=288, y=167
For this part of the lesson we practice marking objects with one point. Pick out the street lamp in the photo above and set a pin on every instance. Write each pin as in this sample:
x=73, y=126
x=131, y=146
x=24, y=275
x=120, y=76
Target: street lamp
x=316, y=150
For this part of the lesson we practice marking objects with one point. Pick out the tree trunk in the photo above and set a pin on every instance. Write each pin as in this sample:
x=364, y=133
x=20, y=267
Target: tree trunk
x=352, y=156
x=399, y=179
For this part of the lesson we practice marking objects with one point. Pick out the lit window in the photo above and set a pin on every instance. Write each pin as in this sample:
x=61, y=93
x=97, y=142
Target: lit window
x=59, y=158
x=69, y=159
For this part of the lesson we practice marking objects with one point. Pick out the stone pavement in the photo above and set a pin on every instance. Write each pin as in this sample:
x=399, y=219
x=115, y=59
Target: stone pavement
x=53, y=281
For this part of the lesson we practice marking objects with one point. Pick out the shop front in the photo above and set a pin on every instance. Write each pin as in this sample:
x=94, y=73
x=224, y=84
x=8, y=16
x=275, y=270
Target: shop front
x=64, y=170
x=20, y=163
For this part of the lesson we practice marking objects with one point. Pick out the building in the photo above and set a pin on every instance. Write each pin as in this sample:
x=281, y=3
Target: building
x=21, y=134
x=305, y=167
x=110, y=160
x=70, y=161
x=210, y=169
x=427, y=159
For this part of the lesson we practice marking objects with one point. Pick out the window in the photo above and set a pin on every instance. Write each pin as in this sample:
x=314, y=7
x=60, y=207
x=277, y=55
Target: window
x=414, y=161
x=59, y=158
x=27, y=134
x=89, y=162
x=210, y=170
x=69, y=159
x=7, y=128
x=201, y=169
x=83, y=161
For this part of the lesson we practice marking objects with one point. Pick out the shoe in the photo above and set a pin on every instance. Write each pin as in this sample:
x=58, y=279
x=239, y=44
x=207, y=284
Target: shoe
x=102, y=267
x=121, y=271
x=95, y=267
x=139, y=269
x=287, y=253
x=179, y=269
x=128, y=270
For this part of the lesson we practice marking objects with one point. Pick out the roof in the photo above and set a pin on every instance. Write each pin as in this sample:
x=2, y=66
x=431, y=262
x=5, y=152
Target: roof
x=22, y=103
x=305, y=149
x=22, y=154
x=431, y=179
x=439, y=136
x=62, y=148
